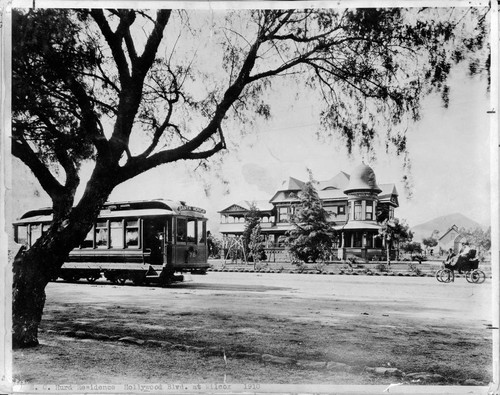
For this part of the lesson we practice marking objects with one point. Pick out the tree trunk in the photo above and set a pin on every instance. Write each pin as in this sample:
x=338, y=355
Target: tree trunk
x=34, y=268
x=28, y=298
x=388, y=252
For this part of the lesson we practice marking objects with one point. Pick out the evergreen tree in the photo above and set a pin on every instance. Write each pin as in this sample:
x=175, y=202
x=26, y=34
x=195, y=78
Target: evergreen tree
x=256, y=245
x=252, y=220
x=312, y=236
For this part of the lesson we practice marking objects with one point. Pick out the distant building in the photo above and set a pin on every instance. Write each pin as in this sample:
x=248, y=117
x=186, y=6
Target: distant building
x=353, y=202
x=452, y=238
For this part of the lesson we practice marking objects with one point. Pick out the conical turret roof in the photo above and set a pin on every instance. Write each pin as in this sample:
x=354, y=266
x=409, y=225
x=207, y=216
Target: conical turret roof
x=362, y=179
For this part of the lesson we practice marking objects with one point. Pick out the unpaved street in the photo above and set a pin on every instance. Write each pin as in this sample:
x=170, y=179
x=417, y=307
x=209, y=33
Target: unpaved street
x=441, y=332
x=425, y=298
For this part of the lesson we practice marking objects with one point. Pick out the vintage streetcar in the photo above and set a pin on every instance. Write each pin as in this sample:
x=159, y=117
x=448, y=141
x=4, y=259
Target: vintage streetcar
x=141, y=241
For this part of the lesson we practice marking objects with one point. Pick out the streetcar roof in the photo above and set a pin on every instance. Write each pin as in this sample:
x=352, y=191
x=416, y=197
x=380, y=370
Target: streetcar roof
x=124, y=209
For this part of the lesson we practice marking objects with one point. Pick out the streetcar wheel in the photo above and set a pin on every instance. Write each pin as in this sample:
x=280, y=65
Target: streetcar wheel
x=71, y=279
x=122, y=280
x=139, y=279
x=92, y=279
x=111, y=278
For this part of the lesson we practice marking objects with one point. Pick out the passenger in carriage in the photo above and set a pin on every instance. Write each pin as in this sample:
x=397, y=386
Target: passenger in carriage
x=463, y=257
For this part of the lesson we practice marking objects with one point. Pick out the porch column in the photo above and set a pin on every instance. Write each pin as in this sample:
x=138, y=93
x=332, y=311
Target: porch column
x=340, y=250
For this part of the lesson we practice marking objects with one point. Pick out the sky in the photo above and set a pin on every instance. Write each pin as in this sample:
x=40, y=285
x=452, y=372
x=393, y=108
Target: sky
x=449, y=152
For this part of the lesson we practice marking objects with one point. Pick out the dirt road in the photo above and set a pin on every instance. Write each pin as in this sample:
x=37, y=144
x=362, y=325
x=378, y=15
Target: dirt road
x=425, y=298
x=413, y=324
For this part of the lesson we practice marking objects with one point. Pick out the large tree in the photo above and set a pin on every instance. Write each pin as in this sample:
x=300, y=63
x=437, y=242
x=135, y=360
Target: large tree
x=129, y=90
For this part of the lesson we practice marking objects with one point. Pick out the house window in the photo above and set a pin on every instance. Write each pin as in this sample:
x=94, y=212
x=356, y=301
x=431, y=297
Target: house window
x=369, y=210
x=357, y=210
x=332, y=210
x=283, y=214
x=341, y=210
x=358, y=238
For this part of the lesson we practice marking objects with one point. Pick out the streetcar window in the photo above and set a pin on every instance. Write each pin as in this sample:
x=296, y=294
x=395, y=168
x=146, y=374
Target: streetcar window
x=22, y=235
x=101, y=237
x=132, y=234
x=36, y=232
x=181, y=229
x=89, y=240
x=116, y=234
x=191, y=231
x=202, y=232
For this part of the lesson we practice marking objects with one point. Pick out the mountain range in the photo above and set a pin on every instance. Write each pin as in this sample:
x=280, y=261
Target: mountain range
x=442, y=224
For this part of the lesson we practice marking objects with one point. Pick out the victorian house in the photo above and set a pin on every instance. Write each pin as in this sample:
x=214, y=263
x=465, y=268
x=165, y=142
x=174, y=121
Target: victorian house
x=353, y=201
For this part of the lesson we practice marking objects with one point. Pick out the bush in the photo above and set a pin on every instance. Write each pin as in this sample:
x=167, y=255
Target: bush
x=382, y=267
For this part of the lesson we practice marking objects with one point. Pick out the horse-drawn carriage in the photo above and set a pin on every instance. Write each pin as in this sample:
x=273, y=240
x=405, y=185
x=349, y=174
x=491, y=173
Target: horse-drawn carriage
x=468, y=265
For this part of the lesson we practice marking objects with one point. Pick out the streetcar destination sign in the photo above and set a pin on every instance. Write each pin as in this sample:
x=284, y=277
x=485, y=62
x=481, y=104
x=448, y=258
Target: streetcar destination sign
x=192, y=209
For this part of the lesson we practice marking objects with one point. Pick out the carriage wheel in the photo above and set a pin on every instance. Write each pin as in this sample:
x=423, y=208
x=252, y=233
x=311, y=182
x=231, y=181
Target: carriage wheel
x=447, y=276
x=438, y=275
x=468, y=277
x=477, y=276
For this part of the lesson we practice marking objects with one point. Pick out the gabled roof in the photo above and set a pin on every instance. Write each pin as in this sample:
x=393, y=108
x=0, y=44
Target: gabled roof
x=387, y=189
x=452, y=228
x=339, y=181
x=292, y=184
x=389, y=193
x=245, y=205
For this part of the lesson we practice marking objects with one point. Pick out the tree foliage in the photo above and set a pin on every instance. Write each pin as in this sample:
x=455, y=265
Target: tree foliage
x=312, y=235
x=252, y=237
x=394, y=232
x=478, y=238
x=429, y=242
x=411, y=247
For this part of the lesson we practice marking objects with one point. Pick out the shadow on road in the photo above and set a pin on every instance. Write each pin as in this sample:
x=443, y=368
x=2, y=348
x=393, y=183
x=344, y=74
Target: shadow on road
x=228, y=287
